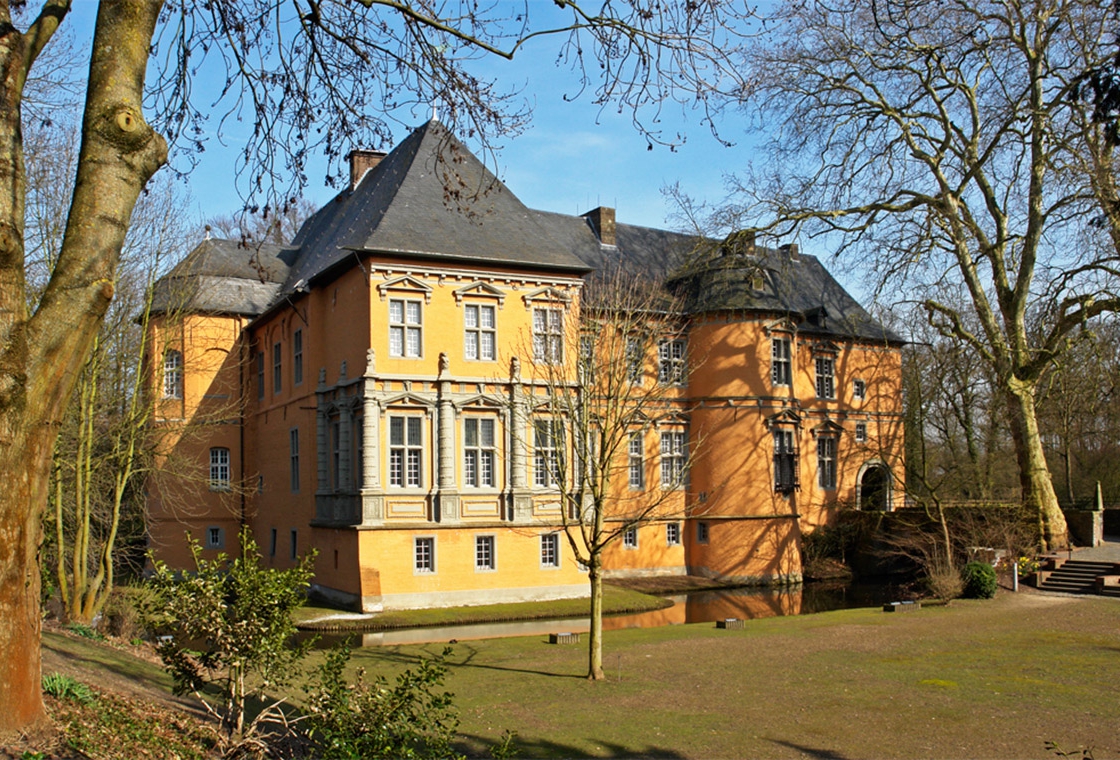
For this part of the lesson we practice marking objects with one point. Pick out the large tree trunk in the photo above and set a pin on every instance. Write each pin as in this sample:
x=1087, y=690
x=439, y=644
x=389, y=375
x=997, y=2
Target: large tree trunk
x=595, y=638
x=1034, y=474
x=41, y=356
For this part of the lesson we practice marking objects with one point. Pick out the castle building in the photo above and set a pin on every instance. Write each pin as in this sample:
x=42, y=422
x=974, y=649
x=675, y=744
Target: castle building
x=368, y=392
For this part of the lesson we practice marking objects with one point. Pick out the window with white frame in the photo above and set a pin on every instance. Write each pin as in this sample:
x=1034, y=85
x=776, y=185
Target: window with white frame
x=172, y=374
x=548, y=447
x=548, y=335
x=861, y=432
x=785, y=461
x=673, y=452
x=479, y=332
x=826, y=377
x=219, y=469
x=277, y=367
x=859, y=389
x=405, y=328
x=826, y=462
x=424, y=550
x=672, y=534
x=215, y=538
x=550, y=550
x=406, y=451
x=478, y=452
x=637, y=468
x=293, y=458
x=260, y=375
x=630, y=538
x=635, y=359
x=670, y=361
x=297, y=357
x=586, y=358
x=484, y=558
x=781, y=365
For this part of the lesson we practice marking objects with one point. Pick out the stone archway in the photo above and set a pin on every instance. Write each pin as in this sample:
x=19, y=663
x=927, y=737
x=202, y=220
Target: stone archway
x=875, y=487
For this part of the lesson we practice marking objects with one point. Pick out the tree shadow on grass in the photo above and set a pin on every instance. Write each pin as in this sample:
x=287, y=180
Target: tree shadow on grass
x=821, y=754
x=462, y=656
x=478, y=746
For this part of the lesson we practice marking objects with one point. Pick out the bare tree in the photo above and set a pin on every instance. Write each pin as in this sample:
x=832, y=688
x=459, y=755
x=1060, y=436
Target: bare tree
x=938, y=140
x=606, y=383
x=262, y=227
x=307, y=74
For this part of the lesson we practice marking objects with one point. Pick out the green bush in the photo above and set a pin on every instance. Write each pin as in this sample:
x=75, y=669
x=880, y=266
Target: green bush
x=65, y=687
x=83, y=630
x=979, y=580
x=372, y=719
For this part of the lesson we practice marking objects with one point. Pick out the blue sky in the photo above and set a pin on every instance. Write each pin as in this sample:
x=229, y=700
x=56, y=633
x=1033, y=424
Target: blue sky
x=572, y=158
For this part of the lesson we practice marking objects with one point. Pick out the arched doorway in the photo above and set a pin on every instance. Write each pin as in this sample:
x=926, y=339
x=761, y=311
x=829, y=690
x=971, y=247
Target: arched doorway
x=875, y=488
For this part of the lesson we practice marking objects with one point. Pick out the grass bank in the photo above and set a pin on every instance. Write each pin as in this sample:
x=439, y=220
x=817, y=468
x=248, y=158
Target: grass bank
x=616, y=601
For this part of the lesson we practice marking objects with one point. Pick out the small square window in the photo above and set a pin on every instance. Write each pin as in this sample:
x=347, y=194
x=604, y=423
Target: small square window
x=215, y=538
x=425, y=553
x=630, y=538
x=861, y=432
x=701, y=532
x=484, y=553
x=859, y=389
x=672, y=534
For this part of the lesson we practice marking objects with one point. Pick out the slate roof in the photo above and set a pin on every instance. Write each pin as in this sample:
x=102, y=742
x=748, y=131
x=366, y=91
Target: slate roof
x=431, y=199
x=223, y=277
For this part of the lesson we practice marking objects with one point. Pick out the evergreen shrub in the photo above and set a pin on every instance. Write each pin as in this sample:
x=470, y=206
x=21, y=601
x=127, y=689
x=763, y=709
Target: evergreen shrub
x=979, y=580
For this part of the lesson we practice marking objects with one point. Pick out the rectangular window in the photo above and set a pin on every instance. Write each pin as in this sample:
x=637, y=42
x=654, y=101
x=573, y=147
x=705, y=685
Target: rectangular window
x=219, y=469
x=277, y=368
x=672, y=534
x=635, y=359
x=550, y=550
x=826, y=377
x=215, y=538
x=548, y=443
x=859, y=389
x=336, y=453
x=295, y=544
x=479, y=338
x=404, y=328
x=587, y=358
x=172, y=374
x=672, y=459
x=478, y=452
x=297, y=357
x=425, y=550
x=630, y=538
x=781, y=367
x=826, y=462
x=637, y=461
x=861, y=432
x=405, y=451
x=670, y=362
x=293, y=455
x=260, y=375
x=484, y=553
x=785, y=462
x=701, y=532
x=548, y=335
x=272, y=543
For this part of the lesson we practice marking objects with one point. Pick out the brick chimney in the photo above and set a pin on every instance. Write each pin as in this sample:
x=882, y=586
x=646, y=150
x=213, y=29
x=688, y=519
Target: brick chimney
x=361, y=161
x=791, y=250
x=602, y=223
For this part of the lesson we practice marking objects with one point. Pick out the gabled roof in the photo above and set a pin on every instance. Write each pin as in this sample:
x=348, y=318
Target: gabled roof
x=224, y=277
x=430, y=198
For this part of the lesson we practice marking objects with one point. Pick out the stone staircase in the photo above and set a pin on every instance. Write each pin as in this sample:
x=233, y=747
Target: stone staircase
x=1080, y=577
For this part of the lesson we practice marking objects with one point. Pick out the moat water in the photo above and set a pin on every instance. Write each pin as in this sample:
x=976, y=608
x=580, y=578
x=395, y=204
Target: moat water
x=696, y=607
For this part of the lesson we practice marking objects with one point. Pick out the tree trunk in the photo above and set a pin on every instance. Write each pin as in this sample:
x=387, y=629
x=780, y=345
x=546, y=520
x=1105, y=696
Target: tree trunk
x=41, y=356
x=1034, y=474
x=595, y=638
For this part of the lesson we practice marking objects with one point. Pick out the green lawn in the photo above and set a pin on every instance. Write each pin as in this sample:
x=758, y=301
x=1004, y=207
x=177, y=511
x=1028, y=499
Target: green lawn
x=975, y=679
